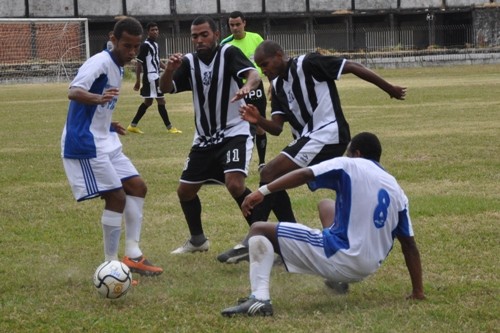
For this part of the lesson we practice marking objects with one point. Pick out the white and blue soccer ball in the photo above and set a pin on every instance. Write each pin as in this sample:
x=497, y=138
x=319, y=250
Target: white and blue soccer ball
x=112, y=279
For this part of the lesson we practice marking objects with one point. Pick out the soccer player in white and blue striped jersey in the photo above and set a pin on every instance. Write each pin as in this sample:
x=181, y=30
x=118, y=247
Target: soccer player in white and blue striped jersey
x=92, y=152
x=359, y=227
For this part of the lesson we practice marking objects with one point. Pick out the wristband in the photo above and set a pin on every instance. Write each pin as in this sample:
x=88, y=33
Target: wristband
x=264, y=190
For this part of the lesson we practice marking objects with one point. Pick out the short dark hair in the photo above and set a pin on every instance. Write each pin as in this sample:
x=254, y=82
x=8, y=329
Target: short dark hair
x=151, y=25
x=368, y=145
x=206, y=19
x=237, y=14
x=129, y=25
x=269, y=48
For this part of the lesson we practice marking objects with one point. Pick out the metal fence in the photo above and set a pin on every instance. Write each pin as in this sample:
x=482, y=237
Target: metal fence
x=406, y=46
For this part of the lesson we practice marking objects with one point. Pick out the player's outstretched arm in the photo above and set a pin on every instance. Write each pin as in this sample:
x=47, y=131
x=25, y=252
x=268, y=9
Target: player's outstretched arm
x=366, y=74
x=412, y=259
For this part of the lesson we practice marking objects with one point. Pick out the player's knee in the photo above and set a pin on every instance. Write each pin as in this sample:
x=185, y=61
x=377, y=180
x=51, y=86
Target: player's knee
x=135, y=186
x=236, y=188
x=257, y=228
x=267, y=174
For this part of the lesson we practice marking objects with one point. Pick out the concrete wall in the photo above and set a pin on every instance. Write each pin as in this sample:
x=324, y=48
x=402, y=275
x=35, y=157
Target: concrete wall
x=329, y=5
x=284, y=6
x=196, y=7
x=103, y=8
x=12, y=8
x=405, y=4
x=465, y=3
x=228, y=6
x=51, y=8
x=487, y=27
x=96, y=8
x=154, y=7
x=376, y=4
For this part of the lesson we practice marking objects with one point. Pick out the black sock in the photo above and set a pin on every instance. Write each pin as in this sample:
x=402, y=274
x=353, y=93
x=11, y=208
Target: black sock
x=162, y=110
x=261, y=143
x=140, y=113
x=239, y=201
x=192, y=212
x=282, y=207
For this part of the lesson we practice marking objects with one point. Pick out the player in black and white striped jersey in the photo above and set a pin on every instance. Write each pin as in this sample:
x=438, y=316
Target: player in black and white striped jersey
x=149, y=64
x=304, y=94
x=222, y=145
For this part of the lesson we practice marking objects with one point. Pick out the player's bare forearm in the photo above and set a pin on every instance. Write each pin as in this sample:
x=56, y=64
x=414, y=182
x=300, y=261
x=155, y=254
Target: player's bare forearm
x=414, y=265
x=253, y=81
x=251, y=114
x=81, y=95
x=173, y=62
x=290, y=180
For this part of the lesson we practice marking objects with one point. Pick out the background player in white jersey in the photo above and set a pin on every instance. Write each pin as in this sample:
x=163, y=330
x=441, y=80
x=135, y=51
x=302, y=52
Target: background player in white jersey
x=358, y=232
x=304, y=94
x=149, y=64
x=92, y=152
x=222, y=145
x=247, y=42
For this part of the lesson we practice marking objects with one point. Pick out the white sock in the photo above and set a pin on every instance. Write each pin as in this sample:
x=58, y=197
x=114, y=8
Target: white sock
x=133, y=224
x=261, y=262
x=111, y=231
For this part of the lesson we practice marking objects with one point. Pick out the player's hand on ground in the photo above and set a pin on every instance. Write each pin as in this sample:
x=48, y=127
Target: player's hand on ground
x=250, y=202
x=398, y=92
x=118, y=128
x=249, y=113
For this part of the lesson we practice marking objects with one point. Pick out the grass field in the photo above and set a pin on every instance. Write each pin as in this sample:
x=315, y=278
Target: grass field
x=442, y=143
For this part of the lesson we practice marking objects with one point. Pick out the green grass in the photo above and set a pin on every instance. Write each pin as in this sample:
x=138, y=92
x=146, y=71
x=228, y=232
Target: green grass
x=442, y=143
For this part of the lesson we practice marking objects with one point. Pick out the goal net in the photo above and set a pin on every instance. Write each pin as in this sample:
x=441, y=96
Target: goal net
x=42, y=50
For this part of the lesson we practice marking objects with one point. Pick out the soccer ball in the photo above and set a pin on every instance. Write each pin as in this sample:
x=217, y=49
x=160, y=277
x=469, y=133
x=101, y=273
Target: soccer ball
x=112, y=279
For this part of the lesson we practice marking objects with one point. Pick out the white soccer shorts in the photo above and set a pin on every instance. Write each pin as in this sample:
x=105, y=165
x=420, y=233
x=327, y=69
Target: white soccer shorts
x=89, y=178
x=302, y=252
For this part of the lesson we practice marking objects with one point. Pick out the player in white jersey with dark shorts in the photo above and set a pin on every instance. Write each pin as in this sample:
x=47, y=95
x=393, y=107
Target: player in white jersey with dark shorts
x=304, y=94
x=92, y=152
x=359, y=227
x=222, y=144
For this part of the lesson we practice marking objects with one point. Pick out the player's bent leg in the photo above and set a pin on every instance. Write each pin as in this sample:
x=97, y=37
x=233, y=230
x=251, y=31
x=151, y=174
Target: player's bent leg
x=276, y=168
x=135, y=186
x=326, y=210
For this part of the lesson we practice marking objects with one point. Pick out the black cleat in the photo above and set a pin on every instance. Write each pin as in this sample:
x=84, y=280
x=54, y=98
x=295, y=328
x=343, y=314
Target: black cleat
x=250, y=307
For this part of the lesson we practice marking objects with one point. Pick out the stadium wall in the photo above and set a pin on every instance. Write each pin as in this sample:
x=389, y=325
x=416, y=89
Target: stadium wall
x=105, y=9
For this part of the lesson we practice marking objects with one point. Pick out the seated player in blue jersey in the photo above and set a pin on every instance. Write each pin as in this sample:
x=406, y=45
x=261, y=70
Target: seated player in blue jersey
x=93, y=159
x=358, y=228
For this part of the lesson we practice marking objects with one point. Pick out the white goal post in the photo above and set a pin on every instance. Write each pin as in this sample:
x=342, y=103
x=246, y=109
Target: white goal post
x=42, y=50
